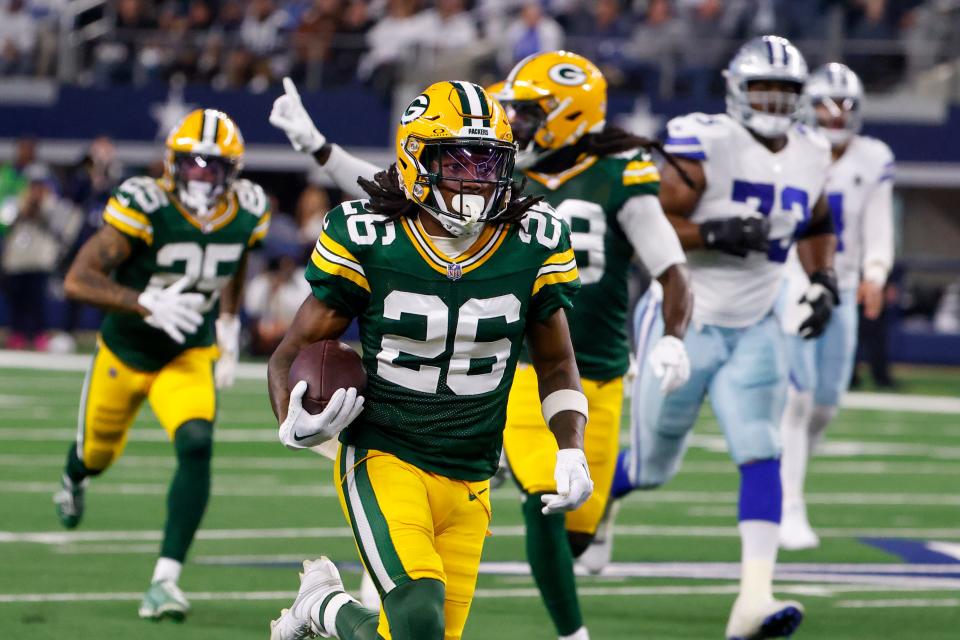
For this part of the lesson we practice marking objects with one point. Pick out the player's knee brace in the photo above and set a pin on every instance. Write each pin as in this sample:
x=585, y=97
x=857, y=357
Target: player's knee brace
x=194, y=441
x=579, y=542
x=415, y=610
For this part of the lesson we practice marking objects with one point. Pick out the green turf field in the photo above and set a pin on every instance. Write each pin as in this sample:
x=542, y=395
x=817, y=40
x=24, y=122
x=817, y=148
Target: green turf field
x=890, y=471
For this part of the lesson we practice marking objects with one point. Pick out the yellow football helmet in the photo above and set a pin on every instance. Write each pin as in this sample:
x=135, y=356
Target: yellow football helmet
x=553, y=99
x=204, y=156
x=456, y=133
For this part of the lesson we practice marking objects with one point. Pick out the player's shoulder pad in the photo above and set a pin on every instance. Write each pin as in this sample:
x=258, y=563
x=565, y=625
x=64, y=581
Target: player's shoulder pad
x=251, y=197
x=635, y=167
x=140, y=194
x=812, y=136
x=876, y=153
x=694, y=135
x=544, y=229
x=356, y=229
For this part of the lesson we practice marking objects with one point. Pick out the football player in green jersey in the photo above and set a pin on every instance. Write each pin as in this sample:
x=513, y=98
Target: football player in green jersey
x=170, y=256
x=557, y=105
x=448, y=270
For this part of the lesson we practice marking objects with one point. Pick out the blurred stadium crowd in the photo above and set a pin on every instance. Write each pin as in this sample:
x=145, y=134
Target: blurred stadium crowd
x=323, y=43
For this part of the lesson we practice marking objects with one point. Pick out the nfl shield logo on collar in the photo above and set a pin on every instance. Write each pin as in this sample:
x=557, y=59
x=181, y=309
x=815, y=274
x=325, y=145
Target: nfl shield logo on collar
x=454, y=271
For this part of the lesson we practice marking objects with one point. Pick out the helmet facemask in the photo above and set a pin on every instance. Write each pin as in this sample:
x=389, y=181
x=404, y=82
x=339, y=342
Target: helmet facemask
x=202, y=180
x=837, y=118
x=468, y=181
x=771, y=108
x=527, y=118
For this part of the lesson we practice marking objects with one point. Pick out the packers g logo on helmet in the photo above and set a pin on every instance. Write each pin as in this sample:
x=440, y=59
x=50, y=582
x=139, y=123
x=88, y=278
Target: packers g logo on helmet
x=567, y=74
x=455, y=118
x=554, y=99
x=416, y=109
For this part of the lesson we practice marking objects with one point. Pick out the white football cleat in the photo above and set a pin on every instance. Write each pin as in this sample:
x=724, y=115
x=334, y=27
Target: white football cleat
x=164, y=599
x=369, y=597
x=753, y=619
x=319, y=579
x=598, y=554
x=795, y=530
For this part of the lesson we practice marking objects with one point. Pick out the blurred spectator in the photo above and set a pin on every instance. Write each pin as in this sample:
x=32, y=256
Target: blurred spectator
x=312, y=39
x=708, y=25
x=311, y=209
x=262, y=27
x=655, y=44
x=532, y=32
x=116, y=57
x=12, y=180
x=18, y=39
x=448, y=26
x=602, y=35
x=870, y=20
x=42, y=229
x=349, y=44
x=391, y=40
x=273, y=297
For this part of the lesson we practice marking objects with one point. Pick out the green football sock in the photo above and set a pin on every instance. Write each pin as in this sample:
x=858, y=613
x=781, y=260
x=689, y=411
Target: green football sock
x=415, y=610
x=189, y=489
x=356, y=622
x=551, y=563
x=75, y=469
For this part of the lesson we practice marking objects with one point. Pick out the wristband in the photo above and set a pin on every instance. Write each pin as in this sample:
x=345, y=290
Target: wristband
x=564, y=400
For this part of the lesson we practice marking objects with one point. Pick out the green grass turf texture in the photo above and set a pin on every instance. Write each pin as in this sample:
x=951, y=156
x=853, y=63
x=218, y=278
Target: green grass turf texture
x=260, y=485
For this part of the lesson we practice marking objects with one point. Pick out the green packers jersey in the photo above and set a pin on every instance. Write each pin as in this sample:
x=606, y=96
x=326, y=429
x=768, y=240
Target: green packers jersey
x=167, y=244
x=588, y=197
x=440, y=336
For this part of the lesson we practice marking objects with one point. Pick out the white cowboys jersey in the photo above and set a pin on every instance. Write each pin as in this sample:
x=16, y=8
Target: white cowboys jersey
x=744, y=178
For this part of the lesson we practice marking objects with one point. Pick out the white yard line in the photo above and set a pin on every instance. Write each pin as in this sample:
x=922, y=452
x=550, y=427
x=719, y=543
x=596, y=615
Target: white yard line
x=905, y=603
x=510, y=531
x=258, y=372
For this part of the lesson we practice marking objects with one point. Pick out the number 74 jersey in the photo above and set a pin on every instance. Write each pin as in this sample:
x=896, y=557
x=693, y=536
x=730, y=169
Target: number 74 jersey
x=440, y=335
x=744, y=178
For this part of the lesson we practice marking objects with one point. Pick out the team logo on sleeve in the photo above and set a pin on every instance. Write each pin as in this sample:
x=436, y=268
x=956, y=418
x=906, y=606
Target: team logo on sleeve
x=416, y=109
x=567, y=74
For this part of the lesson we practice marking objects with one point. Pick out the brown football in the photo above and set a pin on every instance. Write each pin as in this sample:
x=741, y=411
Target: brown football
x=326, y=366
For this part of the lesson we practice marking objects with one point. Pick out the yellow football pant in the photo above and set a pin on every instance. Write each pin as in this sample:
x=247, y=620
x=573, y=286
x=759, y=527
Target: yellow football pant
x=410, y=524
x=113, y=392
x=532, y=450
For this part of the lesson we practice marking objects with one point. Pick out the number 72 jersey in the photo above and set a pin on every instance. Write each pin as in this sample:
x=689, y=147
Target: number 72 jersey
x=440, y=336
x=745, y=178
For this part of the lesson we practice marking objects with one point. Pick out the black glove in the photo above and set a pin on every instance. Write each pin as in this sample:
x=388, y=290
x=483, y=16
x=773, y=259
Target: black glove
x=736, y=236
x=819, y=299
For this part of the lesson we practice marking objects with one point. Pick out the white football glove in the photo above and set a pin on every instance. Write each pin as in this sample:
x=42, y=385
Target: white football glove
x=301, y=430
x=289, y=115
x=670, y=363
x=228, y=340
x=172, y=311
x=574, y=485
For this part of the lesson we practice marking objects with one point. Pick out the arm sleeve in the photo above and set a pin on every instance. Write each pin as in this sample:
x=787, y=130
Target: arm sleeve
x=651, y=234
x=344, y=169
x=557, y=281
x=335, y=274
x=878, y=233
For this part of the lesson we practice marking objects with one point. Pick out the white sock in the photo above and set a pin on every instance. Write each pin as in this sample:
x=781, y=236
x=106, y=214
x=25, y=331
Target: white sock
x=759, y=542
x=821, y=416
x=579, y=634
x=795, y=435
x=167, y=569
x=328, y=621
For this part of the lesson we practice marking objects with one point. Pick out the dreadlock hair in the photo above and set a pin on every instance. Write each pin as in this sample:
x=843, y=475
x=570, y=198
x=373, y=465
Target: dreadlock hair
x=388, y=199
x=614, y=140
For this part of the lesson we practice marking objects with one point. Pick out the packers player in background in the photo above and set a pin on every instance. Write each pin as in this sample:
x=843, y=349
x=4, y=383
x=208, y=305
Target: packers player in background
x=556, y=102
x=171, y=254
x=449, y=270
x=860, y=194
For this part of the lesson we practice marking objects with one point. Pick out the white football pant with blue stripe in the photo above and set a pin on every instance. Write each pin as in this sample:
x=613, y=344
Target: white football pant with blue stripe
x=743, y=370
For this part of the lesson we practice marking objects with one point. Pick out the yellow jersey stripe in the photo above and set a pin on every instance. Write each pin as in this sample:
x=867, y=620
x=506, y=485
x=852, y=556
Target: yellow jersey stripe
x=336, y=248
x=489, y=254
x=560, y=258
x=640, y=173
x=128, y=229
x=339, y=270
x=554, y=181
x=420, y=249
x=555, y=278
x=132, y=214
